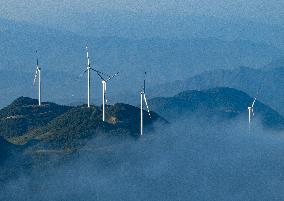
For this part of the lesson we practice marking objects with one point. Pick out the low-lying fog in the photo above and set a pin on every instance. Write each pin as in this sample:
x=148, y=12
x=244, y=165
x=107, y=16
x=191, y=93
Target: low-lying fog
x=188, y=160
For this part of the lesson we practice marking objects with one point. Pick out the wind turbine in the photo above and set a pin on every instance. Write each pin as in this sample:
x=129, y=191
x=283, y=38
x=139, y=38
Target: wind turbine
x=88, y=70
x=143, y=98
x=38, y=76
x=251, y=113
x=104, y=87
x=89, y=75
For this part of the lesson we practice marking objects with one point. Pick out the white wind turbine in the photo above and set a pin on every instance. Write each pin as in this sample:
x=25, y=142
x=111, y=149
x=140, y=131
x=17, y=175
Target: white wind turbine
x=88, y=70
x=104, y=87
x=251, y=112
x=143, y=98
x=38, y=76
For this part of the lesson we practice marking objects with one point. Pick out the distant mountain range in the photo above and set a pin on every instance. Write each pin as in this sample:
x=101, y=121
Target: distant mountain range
x=153, y=25
x=267, y=83
x=219, y=103
x=64, y=51
x=62, y=58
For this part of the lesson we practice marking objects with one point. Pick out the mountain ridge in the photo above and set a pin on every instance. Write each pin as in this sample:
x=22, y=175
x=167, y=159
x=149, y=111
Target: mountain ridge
x=264, y=83
x=221, y=102
x=60, y=127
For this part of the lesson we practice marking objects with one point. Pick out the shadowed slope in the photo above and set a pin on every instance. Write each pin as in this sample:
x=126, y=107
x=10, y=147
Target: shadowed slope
x=24, y=114
x=224, y=103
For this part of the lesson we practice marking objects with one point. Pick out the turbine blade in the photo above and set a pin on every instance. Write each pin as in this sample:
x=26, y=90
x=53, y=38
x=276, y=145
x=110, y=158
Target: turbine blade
x=35, y=76
x=88, y=57
x=148, y=110
x=37, y=63
x=144, y=86
x=98, y=73
x=87, y=51
x=253, y=102
x=110, y=77
x=106, y=98
x=105, y=89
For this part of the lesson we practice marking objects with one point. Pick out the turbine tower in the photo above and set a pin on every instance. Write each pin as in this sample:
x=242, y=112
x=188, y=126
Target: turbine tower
x=251, y=113
x=143, y=98
x=104, y=87
x=88, y=70
x=89, y=76
x=38, y=76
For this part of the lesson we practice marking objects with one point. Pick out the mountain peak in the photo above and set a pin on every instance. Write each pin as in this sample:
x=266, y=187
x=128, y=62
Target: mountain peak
x=24, y=114
x=24, y=101
x=222, y=102
x=59, y=126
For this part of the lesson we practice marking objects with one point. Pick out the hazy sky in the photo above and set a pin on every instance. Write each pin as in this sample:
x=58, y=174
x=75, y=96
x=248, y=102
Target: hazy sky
x=271, y=11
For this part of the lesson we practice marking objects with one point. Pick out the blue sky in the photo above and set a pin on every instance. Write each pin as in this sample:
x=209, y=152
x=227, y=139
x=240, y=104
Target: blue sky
x=42, y=10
